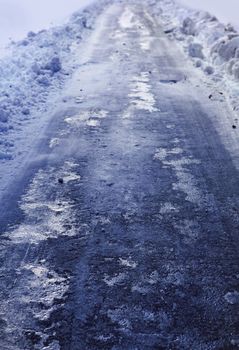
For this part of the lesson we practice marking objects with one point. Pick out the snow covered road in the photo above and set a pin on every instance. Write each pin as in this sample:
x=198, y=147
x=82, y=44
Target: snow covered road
x=121, y=230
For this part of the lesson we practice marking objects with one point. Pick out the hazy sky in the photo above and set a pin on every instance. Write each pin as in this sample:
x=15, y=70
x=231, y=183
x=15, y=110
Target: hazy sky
x=17, y=17
x=225, y=10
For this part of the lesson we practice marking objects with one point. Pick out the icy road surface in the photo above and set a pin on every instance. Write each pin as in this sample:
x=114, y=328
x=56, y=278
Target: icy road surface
x=121, y=231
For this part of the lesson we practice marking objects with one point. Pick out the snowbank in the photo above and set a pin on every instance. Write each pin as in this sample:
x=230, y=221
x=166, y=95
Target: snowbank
x=17, y=18
x=225, y=10
x=213, y=46
x=36, y=69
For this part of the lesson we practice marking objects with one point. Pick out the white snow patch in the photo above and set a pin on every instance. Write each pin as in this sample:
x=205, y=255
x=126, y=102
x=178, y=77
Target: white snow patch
x=53, y=215
x=34, y=294
x=232, y=297
x=54, y=142
x=162, y=153
x=128, y=263
x=186, y=182
x=141, y=95
x=167, y=208
x=146, y=42
x=145, y=37
x=93, y=122
x=111, y=281
x=140, y=289
x=148, y=316
x=77, y=120
x=71, y=177
x=126, y=19
x=153, y=278
x=104, y=338
x=89, y=117
x=189, y=229
x=37, y=290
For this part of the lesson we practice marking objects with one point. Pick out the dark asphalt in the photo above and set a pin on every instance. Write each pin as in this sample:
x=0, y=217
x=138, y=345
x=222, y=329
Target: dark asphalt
x=138, y=247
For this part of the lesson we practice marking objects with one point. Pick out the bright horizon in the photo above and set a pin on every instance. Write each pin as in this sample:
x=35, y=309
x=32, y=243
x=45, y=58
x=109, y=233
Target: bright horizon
x=225, y=11
x=17, y=18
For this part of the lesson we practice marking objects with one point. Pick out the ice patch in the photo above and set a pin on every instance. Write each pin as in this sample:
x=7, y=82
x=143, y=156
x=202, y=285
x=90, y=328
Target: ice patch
x=54, y=217
x=195, y=50
x=126, y=19
x=148, y=316
x=112, y=281
x=167, y=208
x=36, y=290
x=145, y=38
x=175, y=278
x=141, y=96
x=189, y=230
x=93, y=122
x=186, y=182
x=153, y=278
x=54, y=142
x=140, y=289
x=71, y=177
x=104, y=220
x=170, y=126
x=119, y=316
x=46, y=282
x=90, y=118
x=128, y=263
x=162, y=153
x=146, y=43
x=118, y=34
x=232, y=297
x=76, y=120
x=127, y=114
x=104, y=338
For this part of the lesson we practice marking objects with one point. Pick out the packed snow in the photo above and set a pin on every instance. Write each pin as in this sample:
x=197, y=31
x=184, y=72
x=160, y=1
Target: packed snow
x=212, y=45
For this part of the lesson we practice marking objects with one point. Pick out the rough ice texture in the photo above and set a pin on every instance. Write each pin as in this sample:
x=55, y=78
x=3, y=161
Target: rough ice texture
x=195, y=50
x=188, y=27
x=54, y=65
x=3, y=115
x=235, y=70
x=209, y=70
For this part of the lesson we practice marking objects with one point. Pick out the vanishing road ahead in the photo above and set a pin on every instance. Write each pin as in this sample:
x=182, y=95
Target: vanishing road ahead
x=122, y=232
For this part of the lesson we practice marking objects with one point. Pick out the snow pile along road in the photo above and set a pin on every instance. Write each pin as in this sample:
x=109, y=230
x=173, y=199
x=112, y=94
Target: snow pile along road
x=33, y=75
x=212, y=46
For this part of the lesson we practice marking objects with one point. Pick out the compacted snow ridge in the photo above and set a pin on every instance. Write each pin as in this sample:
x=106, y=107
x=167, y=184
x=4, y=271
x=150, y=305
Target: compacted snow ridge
x=212, y=46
